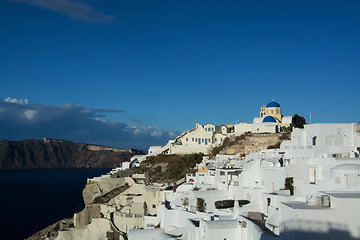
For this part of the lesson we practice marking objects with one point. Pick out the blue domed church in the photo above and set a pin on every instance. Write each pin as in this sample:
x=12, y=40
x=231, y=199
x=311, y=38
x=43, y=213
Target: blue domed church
x=271, y=120
x=271, y=113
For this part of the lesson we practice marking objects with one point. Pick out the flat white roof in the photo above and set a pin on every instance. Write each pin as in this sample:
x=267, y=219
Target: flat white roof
x=209, y=193
x=343, y=194
x=222, y=224
x=303, y=205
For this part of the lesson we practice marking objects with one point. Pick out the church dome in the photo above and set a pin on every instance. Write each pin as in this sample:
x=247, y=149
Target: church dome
x=273, y=104
x=269, y=119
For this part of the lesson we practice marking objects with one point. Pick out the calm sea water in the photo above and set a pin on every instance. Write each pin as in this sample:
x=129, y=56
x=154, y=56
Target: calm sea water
x=33, y=199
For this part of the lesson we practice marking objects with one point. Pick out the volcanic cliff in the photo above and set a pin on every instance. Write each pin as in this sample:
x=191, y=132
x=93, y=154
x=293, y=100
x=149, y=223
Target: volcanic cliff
x=53, y=153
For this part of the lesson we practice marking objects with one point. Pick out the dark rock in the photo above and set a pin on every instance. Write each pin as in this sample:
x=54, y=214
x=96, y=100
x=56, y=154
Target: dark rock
x=53, y=153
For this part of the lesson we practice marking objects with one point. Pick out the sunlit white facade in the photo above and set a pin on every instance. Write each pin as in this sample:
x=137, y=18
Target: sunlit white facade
x=307, y=189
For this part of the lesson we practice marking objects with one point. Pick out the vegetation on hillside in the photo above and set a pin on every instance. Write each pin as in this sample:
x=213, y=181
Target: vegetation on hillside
x=284, y=136
x=244, y=141
x=229, y=142
x=169, y=168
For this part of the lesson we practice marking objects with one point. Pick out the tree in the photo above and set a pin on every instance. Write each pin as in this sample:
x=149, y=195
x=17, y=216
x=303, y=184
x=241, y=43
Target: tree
x=186, y=202
x=299, y=121
x=200, y=204
x=289, y=185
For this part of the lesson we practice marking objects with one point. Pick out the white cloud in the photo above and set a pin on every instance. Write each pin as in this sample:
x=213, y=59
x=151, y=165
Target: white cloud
x=29, y=114
x=172, y=134
x=72, y=9
x=74, y=122
x=85, y=111
x=100, y=120
x=14, y=100
x=156, y=132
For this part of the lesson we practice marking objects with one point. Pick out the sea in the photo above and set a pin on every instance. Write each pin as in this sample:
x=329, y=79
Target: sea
x=31, y=200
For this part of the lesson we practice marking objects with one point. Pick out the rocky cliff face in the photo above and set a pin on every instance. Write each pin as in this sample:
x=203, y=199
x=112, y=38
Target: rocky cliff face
x=251, y=142
x=52, y=153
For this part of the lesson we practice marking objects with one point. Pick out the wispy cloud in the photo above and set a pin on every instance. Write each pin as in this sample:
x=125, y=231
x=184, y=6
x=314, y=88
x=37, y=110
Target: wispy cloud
x=74, y=122
x=107, y=110
x=282, y=74
x=72, y=9
x=134, y=120
x=294, y=86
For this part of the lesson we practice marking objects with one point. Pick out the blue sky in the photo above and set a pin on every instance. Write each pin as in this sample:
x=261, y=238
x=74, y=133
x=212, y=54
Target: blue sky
x=136, y=73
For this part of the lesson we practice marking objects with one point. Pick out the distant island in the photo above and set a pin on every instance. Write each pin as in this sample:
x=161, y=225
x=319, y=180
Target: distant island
x=54, y=153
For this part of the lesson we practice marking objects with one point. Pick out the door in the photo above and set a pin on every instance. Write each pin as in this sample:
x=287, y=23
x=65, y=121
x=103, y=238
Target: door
x=312, y=175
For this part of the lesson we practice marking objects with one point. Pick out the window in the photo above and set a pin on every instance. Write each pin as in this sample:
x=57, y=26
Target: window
x=215, y=139
x=192, y=139
x=337, y=180
x=187, y=139
x=195, y=139
x=202, y=140
x=154, y=206
x=314, y=141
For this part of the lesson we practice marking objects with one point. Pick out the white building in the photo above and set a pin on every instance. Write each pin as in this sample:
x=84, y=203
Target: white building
x=307, y=189
x=202, y=139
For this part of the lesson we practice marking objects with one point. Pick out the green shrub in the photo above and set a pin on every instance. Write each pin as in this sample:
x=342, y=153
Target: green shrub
x=243, y=202
x=226, y=143
x=274, y=146
x=289, y=184
x=285, y=136
x=186, y=202
x=190, y=160
x=215, y=150
x=173, y=167
x=200, y=204
x=241, y=137
x=229, y=203
x=149, y=160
